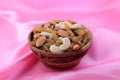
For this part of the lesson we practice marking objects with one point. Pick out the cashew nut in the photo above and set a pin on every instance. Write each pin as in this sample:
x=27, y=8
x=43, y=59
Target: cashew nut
x=46, y=34
x=75, y=26
x=60, y=38
x=55, y=49
x=62, y=26
x=66, y=44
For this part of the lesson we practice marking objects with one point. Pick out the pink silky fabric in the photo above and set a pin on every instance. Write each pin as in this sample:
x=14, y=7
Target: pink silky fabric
x=18, y=17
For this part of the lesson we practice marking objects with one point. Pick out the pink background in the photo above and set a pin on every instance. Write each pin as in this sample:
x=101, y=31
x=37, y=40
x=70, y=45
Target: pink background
x=18, y=17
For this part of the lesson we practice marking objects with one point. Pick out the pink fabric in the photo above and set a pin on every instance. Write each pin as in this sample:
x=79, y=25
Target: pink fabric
x=18, y=17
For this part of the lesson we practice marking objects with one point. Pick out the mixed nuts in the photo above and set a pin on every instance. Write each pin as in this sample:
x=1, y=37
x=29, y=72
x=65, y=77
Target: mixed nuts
x=59, y=36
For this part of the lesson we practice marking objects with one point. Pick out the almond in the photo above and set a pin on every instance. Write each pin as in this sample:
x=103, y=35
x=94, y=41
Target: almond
x=63, y=33
x=37, y=35
x=50, y=41
x=46, y=25
x=76, y=47
x=40, y=41
x=55, y=21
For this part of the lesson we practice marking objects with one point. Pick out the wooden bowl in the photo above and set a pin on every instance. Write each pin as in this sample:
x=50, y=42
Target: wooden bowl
x=60, y=61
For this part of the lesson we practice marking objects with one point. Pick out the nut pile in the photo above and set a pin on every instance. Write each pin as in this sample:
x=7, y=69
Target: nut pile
x=59, y=36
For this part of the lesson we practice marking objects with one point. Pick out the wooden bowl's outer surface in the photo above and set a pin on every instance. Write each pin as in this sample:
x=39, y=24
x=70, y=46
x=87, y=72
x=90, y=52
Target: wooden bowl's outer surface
x=63, y=60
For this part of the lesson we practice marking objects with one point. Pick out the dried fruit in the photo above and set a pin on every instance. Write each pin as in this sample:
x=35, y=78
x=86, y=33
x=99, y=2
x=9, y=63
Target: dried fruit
x=79, y=32
x=48, y=44
x=55, y=37
x=67, y=27
x=32, y=43
x=46, y=48
x=58, y=42
x=38, y=29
